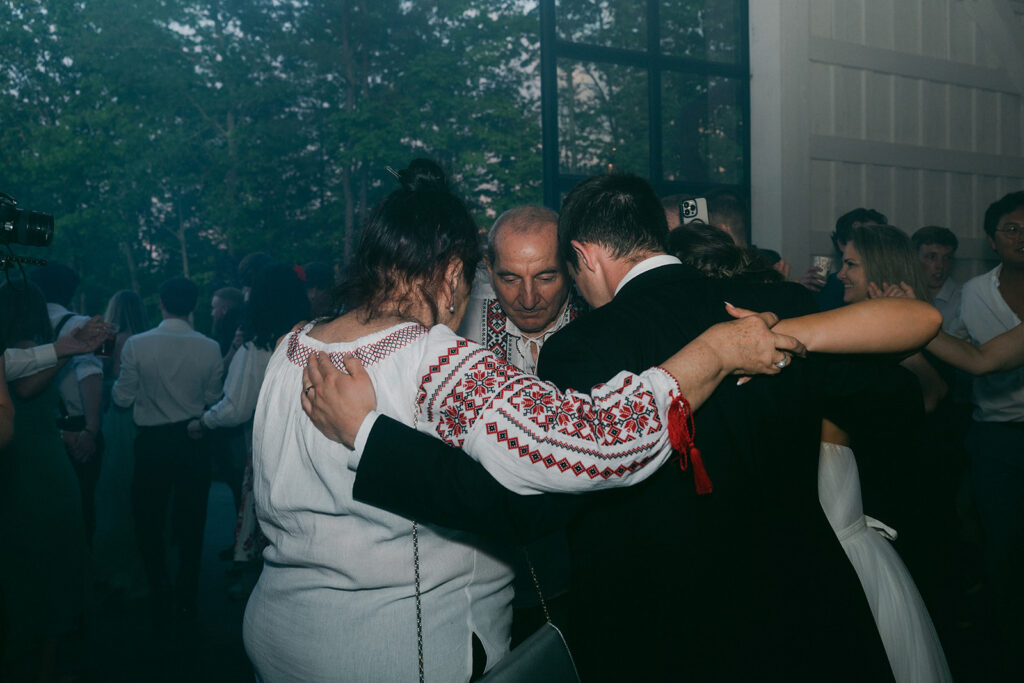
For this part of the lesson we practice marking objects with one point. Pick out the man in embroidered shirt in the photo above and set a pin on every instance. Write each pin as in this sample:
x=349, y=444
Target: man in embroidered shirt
x=521, y=296
x=991, y=304
x=936, y=248
x=169, y=375
x=80, y=384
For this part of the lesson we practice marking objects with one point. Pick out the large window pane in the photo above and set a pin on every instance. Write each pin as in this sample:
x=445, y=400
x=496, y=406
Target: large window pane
x=703, y=129
x=602, y=118
x=701, y=29
x=610, y=23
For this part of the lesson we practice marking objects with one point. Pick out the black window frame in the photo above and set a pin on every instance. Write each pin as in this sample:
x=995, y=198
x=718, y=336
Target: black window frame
x=553, y=48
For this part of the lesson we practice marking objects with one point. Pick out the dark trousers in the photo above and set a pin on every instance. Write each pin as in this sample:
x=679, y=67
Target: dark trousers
x=88, y=475
x=168, y=462
x=997, y=471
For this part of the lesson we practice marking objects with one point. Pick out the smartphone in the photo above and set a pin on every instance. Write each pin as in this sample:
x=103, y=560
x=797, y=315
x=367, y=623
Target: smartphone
x=691, y=210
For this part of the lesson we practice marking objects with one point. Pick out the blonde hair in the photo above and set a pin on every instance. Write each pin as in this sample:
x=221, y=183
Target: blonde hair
x=888, y=257
x=126, y=312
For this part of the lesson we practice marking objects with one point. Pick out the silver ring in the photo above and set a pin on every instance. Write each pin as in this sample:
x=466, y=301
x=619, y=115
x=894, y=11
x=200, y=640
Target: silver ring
x=782, y=363
x=306, y=390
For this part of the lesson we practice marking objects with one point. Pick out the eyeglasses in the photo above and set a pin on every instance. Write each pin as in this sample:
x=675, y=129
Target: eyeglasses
x=1011, y=230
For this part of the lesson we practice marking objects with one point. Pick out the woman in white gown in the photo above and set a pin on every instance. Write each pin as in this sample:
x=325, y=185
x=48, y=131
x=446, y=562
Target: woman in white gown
x=880, y=255
x=911, y=643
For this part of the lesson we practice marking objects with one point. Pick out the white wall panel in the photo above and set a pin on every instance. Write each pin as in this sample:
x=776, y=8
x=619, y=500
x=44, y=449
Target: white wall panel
x=823, y=196
x=962, y=34
x=934, y=30
x=848, y=21
x=934, y=191
x=907, y=16
x=986, y=137
x=1010, y=125
x=850, y=102
x=910, y=199
x=913, y=107
x=907, y=113
x=879, y=28
x=962, y=128
x=935, y=114
x=879, y=192
x=878, y=109
x=821, y=17
x=822, y=111
x=962, y=208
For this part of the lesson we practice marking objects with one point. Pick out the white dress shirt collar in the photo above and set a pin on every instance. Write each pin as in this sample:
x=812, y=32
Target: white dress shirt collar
x=646, y=265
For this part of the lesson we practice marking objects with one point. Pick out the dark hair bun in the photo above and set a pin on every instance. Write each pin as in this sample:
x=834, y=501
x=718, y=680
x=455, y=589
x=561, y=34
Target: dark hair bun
x=423, y=174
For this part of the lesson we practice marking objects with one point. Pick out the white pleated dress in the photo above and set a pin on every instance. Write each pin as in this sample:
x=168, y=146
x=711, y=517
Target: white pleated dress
x=907, y=632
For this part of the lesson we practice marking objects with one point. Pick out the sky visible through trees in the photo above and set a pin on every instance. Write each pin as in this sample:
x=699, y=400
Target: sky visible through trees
x=171, y=136
x=175, y=136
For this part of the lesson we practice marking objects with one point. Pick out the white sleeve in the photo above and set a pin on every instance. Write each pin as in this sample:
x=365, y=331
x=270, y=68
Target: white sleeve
x=127, y=384
x=214, y=378
x=534, y=438
x=241, y=389
x=24, y=362
x=83, y=364
x=86, y=365
x=957, y=327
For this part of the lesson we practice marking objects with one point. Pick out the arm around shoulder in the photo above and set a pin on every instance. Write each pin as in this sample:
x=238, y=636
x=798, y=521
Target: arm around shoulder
x=890, y=325
x=998, y=354
x=420, y=477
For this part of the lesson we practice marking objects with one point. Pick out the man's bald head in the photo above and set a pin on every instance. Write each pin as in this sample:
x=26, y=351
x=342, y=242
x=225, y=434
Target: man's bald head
x=521, y=220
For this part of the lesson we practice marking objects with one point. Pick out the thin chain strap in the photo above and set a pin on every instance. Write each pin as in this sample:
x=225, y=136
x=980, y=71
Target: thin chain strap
x=419, y=601
x=536, y=584
x=416, y=566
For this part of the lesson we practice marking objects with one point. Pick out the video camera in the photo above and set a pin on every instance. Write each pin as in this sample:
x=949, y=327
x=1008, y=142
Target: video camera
x=19, y=226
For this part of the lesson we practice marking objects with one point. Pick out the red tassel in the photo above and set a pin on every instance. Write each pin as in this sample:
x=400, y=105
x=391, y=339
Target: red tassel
x=680, y=435
x=677, y=432
x=700, y=475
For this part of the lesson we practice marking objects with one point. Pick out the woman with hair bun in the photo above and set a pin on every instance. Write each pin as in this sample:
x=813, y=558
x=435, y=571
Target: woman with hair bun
x=342, y=590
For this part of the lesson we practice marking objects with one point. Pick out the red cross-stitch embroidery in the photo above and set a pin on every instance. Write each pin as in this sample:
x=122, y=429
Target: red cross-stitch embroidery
x=370, y=354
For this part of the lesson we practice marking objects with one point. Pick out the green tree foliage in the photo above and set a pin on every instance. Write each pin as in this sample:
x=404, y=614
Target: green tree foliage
x=174, y=136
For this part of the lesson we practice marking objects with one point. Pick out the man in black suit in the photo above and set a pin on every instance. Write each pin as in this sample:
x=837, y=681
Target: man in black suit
x=746, y=583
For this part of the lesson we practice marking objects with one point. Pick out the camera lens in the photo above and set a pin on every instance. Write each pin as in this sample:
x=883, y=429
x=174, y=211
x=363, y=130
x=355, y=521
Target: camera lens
x=30, y=228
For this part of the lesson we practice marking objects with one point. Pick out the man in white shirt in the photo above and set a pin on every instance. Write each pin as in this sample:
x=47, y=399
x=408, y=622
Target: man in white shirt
x=80, y=384
x=991, y=304
x=169, y=375
x=936, y=248
x=24, y=362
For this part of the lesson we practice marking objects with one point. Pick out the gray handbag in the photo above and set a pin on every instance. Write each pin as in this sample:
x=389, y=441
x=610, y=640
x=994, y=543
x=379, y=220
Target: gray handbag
x=544, y=656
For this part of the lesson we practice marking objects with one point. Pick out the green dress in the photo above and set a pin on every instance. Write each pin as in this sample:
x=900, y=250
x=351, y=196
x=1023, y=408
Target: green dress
x=43, y=570
x=115, y=554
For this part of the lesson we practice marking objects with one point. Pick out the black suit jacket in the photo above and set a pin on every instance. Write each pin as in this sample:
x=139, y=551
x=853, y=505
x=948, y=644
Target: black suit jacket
x=746, y=583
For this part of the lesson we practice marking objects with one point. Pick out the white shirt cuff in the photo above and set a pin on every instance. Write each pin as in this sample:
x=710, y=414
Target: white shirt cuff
x=23, y=362
x=361, y=437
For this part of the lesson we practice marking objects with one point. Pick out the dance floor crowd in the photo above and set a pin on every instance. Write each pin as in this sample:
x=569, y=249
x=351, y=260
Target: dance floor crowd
x=620, y=417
